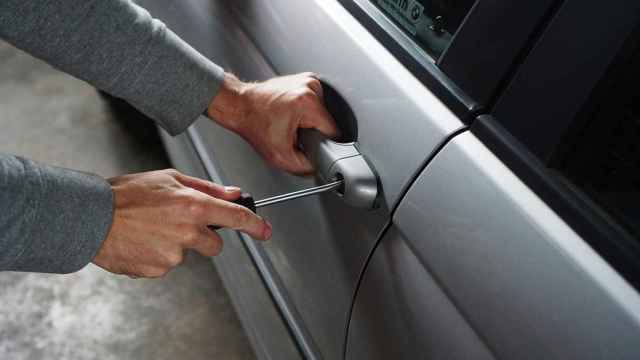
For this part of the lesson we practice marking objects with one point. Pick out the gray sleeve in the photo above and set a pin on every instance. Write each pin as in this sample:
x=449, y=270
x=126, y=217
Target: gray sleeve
x=51, y=219
x=118, y=47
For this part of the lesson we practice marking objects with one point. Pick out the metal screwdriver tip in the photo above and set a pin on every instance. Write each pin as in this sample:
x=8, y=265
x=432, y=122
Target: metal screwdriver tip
x=298, y=194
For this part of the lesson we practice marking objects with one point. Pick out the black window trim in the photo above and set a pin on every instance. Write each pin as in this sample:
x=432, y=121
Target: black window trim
x=551, y=85
x=526, y=151
x=491, y=43
x=446, y=78
x=422, y=67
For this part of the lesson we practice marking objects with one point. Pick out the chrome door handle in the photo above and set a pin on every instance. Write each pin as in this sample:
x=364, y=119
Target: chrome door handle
x=342, y=161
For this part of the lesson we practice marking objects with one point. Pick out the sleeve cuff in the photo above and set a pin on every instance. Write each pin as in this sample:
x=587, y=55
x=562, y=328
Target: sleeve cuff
x=73, y=216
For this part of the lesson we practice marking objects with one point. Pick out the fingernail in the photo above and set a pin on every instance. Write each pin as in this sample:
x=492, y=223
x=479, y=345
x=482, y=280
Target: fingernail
x=268, y=230
x=231, y=188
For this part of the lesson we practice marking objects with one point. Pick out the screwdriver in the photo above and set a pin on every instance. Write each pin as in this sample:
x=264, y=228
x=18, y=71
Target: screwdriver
x=247, y=201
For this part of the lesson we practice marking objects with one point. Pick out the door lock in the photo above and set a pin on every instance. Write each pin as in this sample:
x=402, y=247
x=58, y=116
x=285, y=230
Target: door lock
x=340, y=165
x=342, y=161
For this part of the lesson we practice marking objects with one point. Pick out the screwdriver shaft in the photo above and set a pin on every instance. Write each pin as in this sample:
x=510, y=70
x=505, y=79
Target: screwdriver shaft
x=298, y=194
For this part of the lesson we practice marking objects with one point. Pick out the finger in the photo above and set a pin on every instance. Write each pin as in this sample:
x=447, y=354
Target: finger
x=210, y=243
x=316, y=86
x=291, y=161
x=319, y=118
x=233, y=216
x=155, y=272
x=299, y=164
x=228, y=193
x=148, y=272
x=311, y=75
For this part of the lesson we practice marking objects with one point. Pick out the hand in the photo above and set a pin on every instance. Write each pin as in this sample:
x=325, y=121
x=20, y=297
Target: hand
x=160, y=214
x=269, y=114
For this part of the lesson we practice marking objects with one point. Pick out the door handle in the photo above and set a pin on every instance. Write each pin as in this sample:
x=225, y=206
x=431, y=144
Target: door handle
x=342, y=161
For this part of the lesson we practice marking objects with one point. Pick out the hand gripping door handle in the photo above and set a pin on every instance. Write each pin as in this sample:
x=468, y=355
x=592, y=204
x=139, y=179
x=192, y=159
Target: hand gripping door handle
x=342, y=161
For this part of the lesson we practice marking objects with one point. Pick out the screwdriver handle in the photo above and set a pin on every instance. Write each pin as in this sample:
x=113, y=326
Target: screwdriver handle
x=245, y=200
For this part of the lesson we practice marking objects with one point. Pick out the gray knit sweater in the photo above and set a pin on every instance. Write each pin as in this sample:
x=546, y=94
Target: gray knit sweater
x=53, y=219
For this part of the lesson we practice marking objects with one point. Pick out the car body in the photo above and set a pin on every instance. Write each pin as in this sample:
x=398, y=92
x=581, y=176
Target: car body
x=483, y=243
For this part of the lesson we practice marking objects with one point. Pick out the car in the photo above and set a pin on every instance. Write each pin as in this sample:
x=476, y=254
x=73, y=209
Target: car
x=492, y=174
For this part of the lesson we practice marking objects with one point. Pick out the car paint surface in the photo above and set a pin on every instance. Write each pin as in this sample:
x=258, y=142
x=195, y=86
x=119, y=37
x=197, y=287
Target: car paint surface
x=320, y=245
x=473, y=265
x=528, y=285
x=401, y=312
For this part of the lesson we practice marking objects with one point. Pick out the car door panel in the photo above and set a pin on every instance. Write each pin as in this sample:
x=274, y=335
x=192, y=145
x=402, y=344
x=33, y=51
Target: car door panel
x=320, y=244
x=402, y=313
x=394, y=110
x=525, y=281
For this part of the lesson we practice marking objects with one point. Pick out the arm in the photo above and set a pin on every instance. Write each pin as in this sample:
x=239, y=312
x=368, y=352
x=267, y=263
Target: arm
x=118, y=47
x=56, y=220
x=51, y=219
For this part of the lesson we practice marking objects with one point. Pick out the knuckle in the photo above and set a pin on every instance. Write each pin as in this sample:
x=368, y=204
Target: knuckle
x=305, y=95
x=184, y=230
x=183, y=197
x=242, y=216
x=314, y=83
x=191, y=237
x=174, y=259
x=309, y=94
x=196, y=209
x=172, y=172
x=190, y=202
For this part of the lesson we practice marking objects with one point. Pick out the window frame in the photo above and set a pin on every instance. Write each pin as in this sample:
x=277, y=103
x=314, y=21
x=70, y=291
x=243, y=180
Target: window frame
x=472, y=47
x=416, y=60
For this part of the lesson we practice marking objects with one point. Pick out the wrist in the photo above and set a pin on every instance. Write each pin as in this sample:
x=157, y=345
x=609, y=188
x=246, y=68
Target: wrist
x=228, y=107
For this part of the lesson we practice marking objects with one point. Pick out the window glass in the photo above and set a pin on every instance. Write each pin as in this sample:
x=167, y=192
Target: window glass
x=431, y=23
x=602, y=155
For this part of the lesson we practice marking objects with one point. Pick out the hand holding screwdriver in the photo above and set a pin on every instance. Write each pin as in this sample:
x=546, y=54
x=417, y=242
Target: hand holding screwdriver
x=160, y=214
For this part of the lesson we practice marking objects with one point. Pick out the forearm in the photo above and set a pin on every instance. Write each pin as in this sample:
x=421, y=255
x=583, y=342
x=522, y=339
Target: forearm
x=51, y=219
x=117, y=47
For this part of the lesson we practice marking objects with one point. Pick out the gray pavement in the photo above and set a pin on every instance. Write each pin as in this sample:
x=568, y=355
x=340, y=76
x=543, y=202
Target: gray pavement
x=52, y=118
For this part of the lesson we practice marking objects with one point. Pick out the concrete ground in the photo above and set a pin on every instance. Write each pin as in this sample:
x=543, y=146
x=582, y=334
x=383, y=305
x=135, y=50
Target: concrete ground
x=52, y=118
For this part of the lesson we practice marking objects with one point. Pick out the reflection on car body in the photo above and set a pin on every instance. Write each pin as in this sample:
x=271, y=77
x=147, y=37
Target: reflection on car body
x=492, y=236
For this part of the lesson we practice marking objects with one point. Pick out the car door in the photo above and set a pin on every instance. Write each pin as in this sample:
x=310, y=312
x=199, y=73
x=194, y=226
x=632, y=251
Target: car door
x=520, y=239
x=387, y=63
x=320, y=244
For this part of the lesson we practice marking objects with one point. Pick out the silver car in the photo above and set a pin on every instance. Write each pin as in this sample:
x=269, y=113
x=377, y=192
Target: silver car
x=492, y=177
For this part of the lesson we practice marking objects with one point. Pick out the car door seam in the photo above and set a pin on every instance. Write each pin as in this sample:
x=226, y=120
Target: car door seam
x=384, y=230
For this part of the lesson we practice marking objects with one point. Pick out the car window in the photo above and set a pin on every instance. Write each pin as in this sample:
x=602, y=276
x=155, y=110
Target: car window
x=568, y=123
x=430, y=23
x=601, y=153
